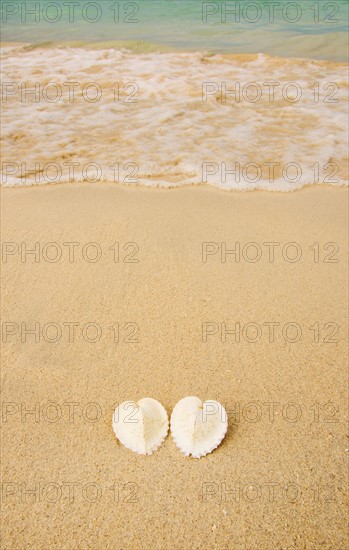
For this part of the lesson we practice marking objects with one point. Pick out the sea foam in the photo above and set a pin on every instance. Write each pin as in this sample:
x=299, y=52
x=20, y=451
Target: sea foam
x=73, y=114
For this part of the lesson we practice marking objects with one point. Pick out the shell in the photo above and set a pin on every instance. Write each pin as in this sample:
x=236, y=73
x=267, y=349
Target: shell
x=198, y=428
x=142, y=426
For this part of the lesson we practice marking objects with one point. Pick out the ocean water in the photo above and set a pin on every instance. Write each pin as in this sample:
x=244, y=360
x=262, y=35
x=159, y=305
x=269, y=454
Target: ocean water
x=176, y=92
x=307, y=28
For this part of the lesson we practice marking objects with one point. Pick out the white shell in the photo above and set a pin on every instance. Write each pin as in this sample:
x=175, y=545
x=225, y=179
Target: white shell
x=142, y=426
x=198, y=428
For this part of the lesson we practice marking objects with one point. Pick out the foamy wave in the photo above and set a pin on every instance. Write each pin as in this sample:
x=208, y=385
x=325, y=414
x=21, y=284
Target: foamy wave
x=165, y=120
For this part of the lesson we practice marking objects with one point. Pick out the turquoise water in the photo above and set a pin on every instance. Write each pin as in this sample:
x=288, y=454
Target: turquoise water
x=307, y=28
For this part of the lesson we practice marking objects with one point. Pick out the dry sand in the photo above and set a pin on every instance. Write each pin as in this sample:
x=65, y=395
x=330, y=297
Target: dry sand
x=298, y=446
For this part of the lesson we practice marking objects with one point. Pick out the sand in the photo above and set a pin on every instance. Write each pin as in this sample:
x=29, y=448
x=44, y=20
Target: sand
x=279, y=478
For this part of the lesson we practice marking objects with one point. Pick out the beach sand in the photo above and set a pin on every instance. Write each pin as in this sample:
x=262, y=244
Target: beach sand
x=279, y=478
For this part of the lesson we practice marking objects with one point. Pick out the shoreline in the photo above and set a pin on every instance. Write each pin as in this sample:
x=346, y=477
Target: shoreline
x=162, y=49
x=172, y=188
